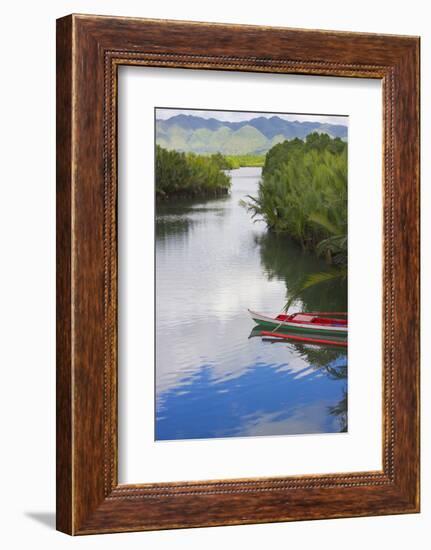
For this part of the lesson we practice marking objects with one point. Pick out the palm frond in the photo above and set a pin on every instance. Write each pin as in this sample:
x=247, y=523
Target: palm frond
x=324, y=277
x=321, y=218
x=336, y=273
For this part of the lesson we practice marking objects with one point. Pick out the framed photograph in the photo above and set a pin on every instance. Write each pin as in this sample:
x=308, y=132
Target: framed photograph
x=237, y=274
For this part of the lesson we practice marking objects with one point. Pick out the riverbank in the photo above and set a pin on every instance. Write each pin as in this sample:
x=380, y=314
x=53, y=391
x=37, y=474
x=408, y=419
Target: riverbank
x=191, y=194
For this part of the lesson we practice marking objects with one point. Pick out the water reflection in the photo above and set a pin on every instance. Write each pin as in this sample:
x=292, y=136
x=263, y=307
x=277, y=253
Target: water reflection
x=212, y=380
x=340, y=411
x=284, y=260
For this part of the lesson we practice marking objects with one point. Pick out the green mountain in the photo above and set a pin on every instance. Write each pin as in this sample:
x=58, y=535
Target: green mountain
x=244, y=141
x=200, y=135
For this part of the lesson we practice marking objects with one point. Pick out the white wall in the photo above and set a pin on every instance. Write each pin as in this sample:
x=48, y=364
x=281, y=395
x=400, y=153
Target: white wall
x=27, y=317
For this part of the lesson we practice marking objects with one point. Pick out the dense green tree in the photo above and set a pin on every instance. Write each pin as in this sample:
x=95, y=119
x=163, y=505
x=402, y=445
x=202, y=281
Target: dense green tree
x=303, y=192
x=189, y=174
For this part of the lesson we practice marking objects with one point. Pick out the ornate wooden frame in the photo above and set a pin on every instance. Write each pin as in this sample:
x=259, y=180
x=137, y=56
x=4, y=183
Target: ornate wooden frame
x=89, y=51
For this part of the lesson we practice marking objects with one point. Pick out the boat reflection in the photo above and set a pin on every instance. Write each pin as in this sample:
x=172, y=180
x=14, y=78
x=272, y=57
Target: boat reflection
x=286, y=336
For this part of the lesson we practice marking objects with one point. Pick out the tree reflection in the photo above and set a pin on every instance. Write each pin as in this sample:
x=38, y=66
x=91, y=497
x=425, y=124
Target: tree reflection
x=340, y=410
x=330, y=361
x=284, y=260
x=178, y=217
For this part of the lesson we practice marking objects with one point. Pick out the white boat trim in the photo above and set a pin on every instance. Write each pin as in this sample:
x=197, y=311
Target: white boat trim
x=264, y=318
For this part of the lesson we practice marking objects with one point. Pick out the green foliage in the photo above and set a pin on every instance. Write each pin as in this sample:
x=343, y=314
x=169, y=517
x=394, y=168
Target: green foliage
x=303, y=193
x=190, y=174
x=222, y=162
x=325, y=276
x=304, y=190
x=237, y=161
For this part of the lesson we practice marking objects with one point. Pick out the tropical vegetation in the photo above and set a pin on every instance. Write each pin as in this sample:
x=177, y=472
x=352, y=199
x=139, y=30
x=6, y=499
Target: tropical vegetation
x=238, y=161
x=303, y=193
x=190, y=175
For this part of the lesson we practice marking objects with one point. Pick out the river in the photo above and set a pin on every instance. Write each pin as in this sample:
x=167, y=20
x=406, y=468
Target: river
x=213, y=379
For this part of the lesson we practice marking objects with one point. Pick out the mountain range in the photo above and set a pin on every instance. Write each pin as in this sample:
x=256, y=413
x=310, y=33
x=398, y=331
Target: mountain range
x=190, y=133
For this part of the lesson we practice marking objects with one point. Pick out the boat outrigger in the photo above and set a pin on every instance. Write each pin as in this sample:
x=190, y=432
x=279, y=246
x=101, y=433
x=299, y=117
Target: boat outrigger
x=314, y=322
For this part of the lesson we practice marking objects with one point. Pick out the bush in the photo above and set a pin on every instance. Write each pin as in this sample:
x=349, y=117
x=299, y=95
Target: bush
x=189, y=174
x=303, y=191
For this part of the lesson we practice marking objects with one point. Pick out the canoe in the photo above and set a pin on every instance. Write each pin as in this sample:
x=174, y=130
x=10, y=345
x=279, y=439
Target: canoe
x=305, y=322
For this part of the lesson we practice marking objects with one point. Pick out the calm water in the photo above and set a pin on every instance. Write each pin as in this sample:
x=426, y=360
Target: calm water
x=212, y=378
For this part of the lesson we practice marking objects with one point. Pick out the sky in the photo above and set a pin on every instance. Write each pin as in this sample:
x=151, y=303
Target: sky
x=239, y=116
